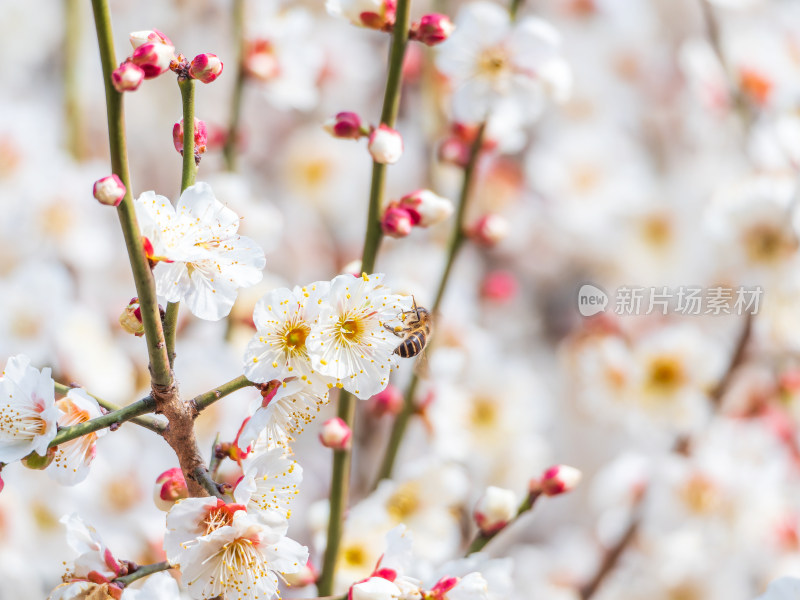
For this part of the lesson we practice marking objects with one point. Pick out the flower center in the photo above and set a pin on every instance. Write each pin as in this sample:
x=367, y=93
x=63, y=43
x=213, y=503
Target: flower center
x=404, y=502
x=493, y=62
x=700, y=495
x=354, y=556
x=350, y=329
x=484, y=413
x=295, y=338
x=665, y=375
x=767, y=243
x=216, y=518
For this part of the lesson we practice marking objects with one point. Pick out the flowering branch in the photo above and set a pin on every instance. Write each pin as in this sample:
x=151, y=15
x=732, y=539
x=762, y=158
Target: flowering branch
x=229, y=149
x=203, y=401
x=484, y=538
x=391, y=106
x=456, y=241
x=143, y=278
x=115, y=417
x=142, y=571
x=146, y=422
x=340, y=473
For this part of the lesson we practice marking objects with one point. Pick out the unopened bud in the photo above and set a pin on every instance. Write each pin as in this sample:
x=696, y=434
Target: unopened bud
x=499, y=286
x=454, y=152
x=200, y=136
x=260, y=61
x=396, y=221
x=427, y=208
x=127, y=77
x=495, y=509
x=170, y=487
x=206, y=67
x=557, y=480
x=387, y=402
x=305, y=576
x=109, y=190
x=345, y=125
x=38, y=462
x=153, y=58
x=432, y=29
x=489, y=230
x=385, y=145
x=374, y=588
x=374, y=14
x=139, y=38
x=335, y=434
x=131, y=318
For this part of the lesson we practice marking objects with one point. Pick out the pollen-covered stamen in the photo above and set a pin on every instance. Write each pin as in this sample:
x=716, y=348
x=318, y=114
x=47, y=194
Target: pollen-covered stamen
x=220, y=516
x=22, y=420
x=294, y=338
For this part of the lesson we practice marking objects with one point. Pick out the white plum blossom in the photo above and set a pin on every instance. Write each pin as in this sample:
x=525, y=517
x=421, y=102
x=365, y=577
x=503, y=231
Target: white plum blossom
x=72, y=459
x=158, y=586
x=496, y=65
x=28, y=414
x=201, y=259
x=221, y=549
x=350, y=342
x=269, y=482
x=283, y=320
x=785, y=588
x=281, y=414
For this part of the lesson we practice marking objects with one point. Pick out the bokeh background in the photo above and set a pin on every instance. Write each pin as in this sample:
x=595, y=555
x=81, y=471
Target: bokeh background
x=673, y=165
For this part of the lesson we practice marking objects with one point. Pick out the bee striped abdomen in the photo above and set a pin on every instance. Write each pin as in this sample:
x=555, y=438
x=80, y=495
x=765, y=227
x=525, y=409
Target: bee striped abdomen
x=412, y=345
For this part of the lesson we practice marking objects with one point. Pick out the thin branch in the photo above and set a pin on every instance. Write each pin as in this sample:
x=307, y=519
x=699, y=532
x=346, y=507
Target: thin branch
x=150, y=423
x=232, y=137
x=142, y=276
x=115, y=417
x=203, y=401
x=142, y=571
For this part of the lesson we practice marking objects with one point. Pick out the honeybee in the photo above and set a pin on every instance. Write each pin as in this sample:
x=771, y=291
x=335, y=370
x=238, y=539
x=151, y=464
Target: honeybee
x=416, y=332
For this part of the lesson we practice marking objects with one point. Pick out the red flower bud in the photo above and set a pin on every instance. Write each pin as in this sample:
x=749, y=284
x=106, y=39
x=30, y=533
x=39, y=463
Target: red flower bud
x=205, y=67
x=432, y=29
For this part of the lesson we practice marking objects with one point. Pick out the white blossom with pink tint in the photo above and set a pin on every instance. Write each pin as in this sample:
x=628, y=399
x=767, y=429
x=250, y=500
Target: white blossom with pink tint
x=153, y=58
x=385, y=145
x=374, y=14
x=335, y=434
x=496, y=65
x=72, y=458
x=495, y=509
x=109, y=190
x=127, y=77
x=374, y=588
x=221, y=549
x=558, y=480
x=203, y=261
x=137, y=38
x=427, y=207
x=28, y=414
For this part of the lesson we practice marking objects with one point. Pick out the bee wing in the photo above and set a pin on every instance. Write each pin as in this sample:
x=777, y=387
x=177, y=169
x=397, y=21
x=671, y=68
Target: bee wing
x=421, y=365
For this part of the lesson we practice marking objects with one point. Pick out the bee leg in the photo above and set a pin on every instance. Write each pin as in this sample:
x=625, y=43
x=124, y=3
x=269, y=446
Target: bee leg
x=393, y=330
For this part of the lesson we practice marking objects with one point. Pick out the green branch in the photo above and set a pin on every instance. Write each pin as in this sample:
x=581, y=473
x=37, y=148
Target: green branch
x=115, y=417
x=143, y=278
x=203, y=401
x=147, y=422
x=456, y=241
x=144, y=571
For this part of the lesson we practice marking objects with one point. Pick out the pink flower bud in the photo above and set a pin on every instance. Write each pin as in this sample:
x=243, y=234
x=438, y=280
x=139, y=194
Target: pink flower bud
x=383, y=19
x=153, y=58
x=345, y=125
x=109, y=190
x=170, y=487
x=426, y=207
x=499, y=286
x=138, y=38
x=396, y=221
x=205, y=67
x=127, y=77
x=432, y=29
x=305, y=576
x=385, y=145
x=557, y=480
x=453, y=151
x=2, y=484
x=131, y=318
x=335, y=434
x=496, y=508
x=387, y=402
x=260, y=61
x=200, y=136
x=489, y=230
